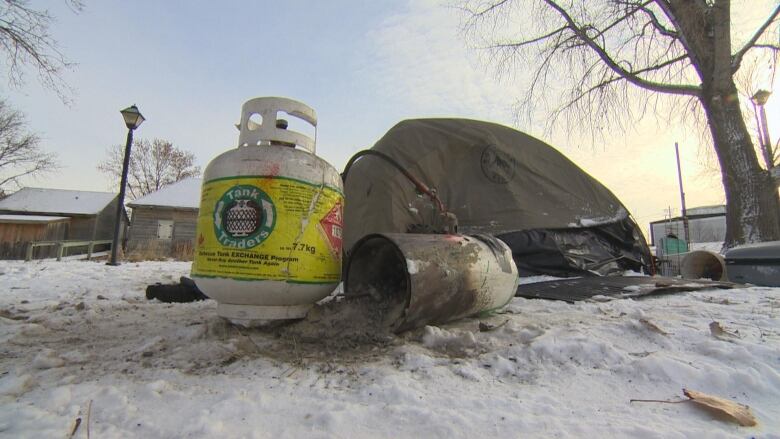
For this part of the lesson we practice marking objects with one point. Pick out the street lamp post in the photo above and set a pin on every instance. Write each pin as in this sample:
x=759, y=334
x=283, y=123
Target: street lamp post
x=759, y=100
x=133, y=120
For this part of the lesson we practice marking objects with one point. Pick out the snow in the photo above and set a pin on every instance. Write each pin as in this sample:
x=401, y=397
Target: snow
x=767, y=251
x=23, y=219
x=714, y=247
x=716, y=209
x=56, y=201
x=414, y=266
x=541, y=278
x=79, y=340
x=621, y=214
x=183, y=194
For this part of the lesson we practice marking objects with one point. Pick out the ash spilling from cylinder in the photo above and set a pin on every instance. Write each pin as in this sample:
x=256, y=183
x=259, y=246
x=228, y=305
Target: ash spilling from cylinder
x=400, y=282
x=347, y=322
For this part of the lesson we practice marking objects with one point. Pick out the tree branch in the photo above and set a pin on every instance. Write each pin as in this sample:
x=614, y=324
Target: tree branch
x=25, y=41
x=622, y=18
x=20, y=153
x=658, y=26
x=736, y=59
x=687, y=90
x=604, y=83
x=766, y=46
x=528, y=42
x=666, y=8
x=153, y=165
x=488, y=9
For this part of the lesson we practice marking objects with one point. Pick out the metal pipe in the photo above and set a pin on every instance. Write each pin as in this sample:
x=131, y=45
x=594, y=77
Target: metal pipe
x=703, y=264
x=767, y=146
x=121, y=201
x=761, y=142
x=431, y=279
x=419, y=185
x=759, y=99
x=682, y=194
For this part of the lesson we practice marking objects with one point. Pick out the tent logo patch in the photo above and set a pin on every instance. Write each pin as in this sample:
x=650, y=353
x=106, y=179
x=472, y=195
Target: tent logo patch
x=498, y=166
x=244, y=217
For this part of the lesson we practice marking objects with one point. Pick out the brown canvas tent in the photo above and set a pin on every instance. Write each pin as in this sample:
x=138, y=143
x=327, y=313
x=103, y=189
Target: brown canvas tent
x=556, y=218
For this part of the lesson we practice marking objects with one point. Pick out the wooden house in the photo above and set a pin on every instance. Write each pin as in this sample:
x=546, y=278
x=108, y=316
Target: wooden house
x=165, y=220
x=38, y=214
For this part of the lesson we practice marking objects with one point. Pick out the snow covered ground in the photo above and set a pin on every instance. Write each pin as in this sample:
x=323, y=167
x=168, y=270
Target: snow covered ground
x=78, y=340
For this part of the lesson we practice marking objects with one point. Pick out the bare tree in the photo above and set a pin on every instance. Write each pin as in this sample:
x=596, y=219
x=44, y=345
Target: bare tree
x=152, y=165
x=26, y=42
x=25, y=39
x=20, y=153
x=612, y=61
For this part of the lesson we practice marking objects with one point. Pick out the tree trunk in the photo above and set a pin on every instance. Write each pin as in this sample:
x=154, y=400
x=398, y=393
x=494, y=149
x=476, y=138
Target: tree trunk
x=752, y=202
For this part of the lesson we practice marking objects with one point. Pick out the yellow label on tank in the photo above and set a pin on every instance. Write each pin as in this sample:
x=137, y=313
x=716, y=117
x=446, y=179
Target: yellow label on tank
x=269, y=228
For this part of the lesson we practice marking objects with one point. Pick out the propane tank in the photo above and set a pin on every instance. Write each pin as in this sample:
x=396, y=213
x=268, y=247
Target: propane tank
x=268, y=238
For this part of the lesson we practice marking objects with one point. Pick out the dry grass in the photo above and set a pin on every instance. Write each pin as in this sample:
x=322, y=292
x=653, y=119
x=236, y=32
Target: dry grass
x=182, y=251
x=161, y=251
x=148, y=251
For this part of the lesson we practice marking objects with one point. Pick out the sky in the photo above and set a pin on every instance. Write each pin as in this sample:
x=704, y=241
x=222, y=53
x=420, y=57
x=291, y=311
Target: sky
x=363, y=66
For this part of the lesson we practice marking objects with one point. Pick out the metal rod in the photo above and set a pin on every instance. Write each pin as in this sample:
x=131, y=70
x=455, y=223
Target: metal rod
x=761, y=142
x=121, y=201
x=682, y=193
x=422, y=187
x=767, y=146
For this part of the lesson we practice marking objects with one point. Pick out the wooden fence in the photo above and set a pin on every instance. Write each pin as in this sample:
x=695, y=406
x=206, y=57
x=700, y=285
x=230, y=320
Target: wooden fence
x=64, y=246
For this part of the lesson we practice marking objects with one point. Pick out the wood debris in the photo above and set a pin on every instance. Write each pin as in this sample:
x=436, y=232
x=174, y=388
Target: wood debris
x=718, y=332
x=727, y=409
x=652, y=326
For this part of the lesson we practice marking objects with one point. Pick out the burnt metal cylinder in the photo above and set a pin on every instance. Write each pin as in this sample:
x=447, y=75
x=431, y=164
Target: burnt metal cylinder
x=703, y=264
x=431, y=279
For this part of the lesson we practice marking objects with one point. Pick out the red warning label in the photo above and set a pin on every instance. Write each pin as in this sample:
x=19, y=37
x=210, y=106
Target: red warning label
x=331, y=226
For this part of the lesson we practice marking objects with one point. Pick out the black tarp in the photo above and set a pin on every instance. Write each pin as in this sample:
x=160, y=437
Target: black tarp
x=621, y=287
x=605, y=249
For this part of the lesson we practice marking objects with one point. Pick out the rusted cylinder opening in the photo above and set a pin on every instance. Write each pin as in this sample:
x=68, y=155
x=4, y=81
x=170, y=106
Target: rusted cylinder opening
x=702, y=264
x=430, y=279
x=377, y=267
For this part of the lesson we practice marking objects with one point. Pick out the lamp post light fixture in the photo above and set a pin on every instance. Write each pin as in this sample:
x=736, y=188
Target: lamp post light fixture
x=759, y=100
x=761, y=97
x=133, y=119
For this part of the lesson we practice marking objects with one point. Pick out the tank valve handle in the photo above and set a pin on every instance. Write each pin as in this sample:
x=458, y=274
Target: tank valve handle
x=272, y=130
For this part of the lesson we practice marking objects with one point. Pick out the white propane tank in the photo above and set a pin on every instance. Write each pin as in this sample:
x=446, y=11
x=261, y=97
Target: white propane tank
x=268, y=238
